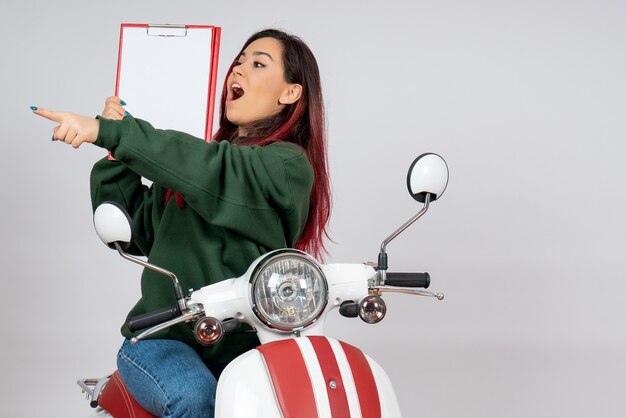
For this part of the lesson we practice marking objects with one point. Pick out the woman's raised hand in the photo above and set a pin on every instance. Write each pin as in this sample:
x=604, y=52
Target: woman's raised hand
x=73, y=129
x=113, y=108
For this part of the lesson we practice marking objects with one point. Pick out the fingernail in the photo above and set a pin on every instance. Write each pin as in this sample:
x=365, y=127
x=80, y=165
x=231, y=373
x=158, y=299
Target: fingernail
x=122, y=102
x=53, y=138
x=126, y=113
x=33, y=108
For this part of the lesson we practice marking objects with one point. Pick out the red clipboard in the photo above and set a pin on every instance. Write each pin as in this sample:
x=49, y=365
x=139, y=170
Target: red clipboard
x=167, y=75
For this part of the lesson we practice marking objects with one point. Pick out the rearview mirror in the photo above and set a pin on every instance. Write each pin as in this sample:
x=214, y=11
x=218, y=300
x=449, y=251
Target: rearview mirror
x=113, y=224
x=428, y=174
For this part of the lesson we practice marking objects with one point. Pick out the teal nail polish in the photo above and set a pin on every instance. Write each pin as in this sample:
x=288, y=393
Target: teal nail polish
x=33, y=108
x=122, y=102
x=126, y=113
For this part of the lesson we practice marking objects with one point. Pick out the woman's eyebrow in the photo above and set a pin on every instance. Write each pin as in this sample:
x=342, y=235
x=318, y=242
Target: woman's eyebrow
x=243, y=54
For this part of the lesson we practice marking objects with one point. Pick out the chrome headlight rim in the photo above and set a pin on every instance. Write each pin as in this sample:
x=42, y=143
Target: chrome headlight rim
x=267, y=260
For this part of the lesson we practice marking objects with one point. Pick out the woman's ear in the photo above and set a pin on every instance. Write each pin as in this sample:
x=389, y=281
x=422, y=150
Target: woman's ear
x=291, y=94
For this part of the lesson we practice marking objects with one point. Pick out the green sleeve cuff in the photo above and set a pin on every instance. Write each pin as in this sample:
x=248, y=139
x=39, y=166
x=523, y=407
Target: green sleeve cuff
x=110, y=132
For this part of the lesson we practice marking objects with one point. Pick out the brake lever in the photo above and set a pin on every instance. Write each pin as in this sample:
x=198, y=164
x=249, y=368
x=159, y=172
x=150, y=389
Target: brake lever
x=381, y=289
x=193, y=313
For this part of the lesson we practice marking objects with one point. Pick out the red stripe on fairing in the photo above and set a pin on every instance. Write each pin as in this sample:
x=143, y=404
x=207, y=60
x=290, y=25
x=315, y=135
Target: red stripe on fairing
x=364, y=381
x=290, y=378
x=330, y=370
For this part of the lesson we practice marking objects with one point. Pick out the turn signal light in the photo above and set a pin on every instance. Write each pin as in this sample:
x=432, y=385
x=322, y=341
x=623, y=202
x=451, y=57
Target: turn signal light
x=208, y=331
x=372, y=309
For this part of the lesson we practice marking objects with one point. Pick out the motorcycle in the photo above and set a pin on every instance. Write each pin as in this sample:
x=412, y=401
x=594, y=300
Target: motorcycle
x=285, y=295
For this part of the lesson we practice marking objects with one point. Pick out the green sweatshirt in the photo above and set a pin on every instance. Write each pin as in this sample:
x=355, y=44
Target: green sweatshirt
x=241, y=202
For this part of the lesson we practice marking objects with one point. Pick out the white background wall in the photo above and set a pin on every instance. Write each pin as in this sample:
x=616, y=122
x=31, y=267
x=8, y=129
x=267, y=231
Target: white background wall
x=525, y=100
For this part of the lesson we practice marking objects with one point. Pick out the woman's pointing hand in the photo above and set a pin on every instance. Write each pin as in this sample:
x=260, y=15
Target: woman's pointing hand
x=73, y=129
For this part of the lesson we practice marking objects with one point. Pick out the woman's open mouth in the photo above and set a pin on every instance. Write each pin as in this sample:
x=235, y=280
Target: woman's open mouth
x=237, y=91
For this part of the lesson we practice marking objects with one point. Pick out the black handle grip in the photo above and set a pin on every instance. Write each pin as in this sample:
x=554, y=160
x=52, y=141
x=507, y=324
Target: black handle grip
x=408, y=279
x=153, y=318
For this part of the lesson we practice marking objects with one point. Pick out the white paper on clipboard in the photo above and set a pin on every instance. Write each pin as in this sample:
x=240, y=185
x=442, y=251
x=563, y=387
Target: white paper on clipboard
x=166, y=74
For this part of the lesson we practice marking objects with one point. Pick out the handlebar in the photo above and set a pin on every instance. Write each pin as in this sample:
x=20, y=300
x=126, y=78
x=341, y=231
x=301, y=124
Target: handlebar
x=408, y=279
x=153, y=318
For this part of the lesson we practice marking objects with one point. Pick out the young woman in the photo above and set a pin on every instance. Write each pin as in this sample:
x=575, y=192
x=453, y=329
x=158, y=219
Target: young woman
x=214, y=207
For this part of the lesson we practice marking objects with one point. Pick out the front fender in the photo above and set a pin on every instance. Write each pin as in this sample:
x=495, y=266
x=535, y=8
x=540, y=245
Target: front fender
x=306, y=377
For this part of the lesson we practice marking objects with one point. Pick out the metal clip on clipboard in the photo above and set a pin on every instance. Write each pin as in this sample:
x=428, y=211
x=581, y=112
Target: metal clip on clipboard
x=167, y=30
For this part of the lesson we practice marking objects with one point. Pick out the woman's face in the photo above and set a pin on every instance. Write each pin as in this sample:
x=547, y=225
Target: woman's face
x=256, y=86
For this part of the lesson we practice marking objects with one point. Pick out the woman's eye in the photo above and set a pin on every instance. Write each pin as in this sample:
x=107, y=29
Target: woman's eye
x=258, y=64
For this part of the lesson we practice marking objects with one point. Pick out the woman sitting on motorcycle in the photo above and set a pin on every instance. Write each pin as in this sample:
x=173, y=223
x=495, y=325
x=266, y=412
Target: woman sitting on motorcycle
x=213, y=207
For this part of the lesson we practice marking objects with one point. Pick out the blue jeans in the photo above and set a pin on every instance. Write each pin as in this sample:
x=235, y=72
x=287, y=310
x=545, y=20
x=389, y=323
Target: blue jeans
x=168, y=378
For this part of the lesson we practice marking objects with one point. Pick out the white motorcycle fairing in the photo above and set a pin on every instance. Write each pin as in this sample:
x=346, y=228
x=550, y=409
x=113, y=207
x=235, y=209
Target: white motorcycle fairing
x=231, y=298
x=305, y=377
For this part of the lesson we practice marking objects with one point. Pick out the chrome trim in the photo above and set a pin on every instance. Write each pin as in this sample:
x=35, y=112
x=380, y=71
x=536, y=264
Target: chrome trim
x=262, y=264
x=93, y=388
x=439, y=296
x=180, y=298
x=404, y=226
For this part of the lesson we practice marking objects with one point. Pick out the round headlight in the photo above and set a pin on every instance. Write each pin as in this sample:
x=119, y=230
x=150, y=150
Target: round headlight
x=289, y=290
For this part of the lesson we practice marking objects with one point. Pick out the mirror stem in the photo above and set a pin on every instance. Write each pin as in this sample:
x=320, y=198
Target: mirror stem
x=406, y=225
x=382, y=256
x=180, y=297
